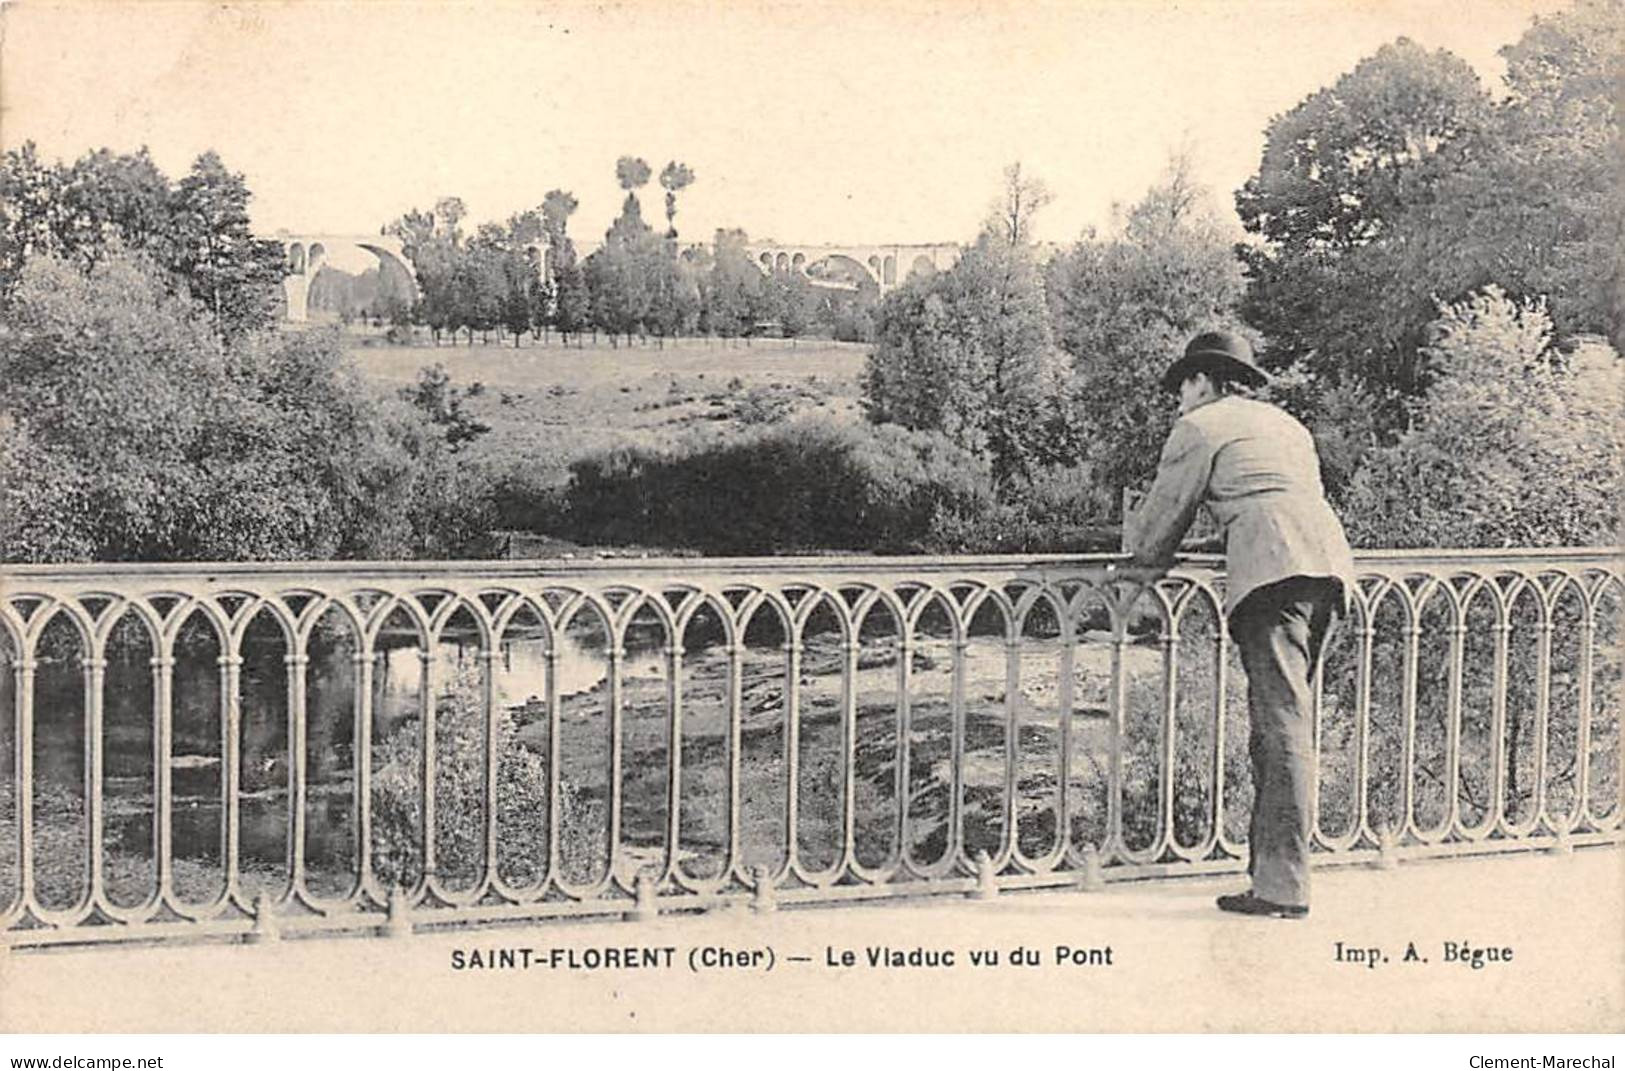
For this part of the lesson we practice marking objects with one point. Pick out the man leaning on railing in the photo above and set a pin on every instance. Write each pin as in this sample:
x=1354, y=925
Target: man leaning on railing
x=1289, y=571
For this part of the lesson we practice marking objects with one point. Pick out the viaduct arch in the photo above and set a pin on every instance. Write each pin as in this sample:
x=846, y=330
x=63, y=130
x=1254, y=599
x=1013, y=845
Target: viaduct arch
x=887, y=266
x=306, y=253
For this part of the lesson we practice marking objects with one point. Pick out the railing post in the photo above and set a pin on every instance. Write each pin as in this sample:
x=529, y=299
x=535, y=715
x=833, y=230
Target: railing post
x=1387, y=848
x=792, y=747
x=646, y=906
x=763, y=898
x=1543, y=703
x=429, y=705
x=1362, y=722
x=24, y=671
x=493, y=758
x=399, y=921
x=674, y=757
x=904, y=730
x=363, y=661
x=231, y=748
x=1090, y=875
x=1221, y=704
x=736, y=673
x=1582, y=744
x=987, y=883
x=1407, y=703
x=163, y=676
x=1453, y=703
x=266, y=925
x=1498, y=721
x=956, y=796
x=849, y=746
x=1012, y=735
x=95, y=673
x=1117, y=711
x=1065, y=700
x=1166, y=759
x=617, y=730
x=298, y=663
x=554, y=802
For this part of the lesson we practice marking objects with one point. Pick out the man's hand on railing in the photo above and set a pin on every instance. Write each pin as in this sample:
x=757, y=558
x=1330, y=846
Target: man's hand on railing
x=1208, y=544
x=1129, y=569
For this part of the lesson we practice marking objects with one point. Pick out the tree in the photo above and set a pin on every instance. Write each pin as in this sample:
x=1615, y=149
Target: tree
x=107, y=381
x=437, y=399
x=197, y=231
x=137, y=431
x=1339, y=173
x=573, y=312
x=968, y=352
x=523, y=304
x=618, y=275
x=449, y=213
x=33, y=220
x=432, y=241
x=731, y=292
x=77, y=211
x=674, y=295
x=234, y=274
x=557, y=208
x=619, y=289
x=632, y=173
x=1022, y=197
x=1403, y=186
x=108, y=195
x=1533, y=204
x=570, y=304
x=675, y=178
x=793, y=301
x=1122, y=308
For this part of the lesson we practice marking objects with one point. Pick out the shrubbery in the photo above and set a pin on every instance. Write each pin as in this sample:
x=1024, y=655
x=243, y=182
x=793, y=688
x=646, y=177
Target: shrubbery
x=1515, y=443
x=803, y=485
x=131, y=430
x=459, y=835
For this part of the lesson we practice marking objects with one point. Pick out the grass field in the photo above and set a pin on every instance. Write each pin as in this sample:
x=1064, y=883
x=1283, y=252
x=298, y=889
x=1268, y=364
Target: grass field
x=549, y=404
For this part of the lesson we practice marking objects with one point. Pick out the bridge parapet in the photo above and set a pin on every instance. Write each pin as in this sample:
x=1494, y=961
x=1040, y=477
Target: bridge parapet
x=262, y=749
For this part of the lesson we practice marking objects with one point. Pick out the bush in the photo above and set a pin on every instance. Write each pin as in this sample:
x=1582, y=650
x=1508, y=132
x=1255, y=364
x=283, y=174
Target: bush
x=763, y=405
x=525, y=500
x=130, y=431
x=1514, y=444
x=802, y=485
x=397, y=806
x=1060, y=511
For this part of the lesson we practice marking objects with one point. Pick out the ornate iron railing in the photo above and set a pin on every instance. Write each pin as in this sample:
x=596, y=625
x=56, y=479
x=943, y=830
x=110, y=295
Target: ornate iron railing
x=262, y=749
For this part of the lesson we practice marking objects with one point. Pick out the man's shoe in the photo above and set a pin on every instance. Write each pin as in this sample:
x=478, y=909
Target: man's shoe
x=1248, y=904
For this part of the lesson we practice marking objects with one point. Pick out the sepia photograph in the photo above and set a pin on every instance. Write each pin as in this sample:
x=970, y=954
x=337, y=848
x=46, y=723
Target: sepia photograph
x=887, y=516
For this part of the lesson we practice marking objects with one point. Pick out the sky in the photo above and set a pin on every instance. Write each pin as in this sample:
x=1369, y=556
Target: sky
x=881, y=122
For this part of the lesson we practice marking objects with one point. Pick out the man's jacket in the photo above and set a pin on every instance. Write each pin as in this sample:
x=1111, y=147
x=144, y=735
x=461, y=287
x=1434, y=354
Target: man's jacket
x=1257, y=470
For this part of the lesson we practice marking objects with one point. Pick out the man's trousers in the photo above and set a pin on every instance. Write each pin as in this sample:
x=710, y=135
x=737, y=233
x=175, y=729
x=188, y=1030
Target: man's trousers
x=1280, y=630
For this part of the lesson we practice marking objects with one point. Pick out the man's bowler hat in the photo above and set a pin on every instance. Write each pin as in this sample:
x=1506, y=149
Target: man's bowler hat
x=1221, y=354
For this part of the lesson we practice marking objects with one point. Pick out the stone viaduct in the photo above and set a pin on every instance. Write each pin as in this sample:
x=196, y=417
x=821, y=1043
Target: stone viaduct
x=834, y=267
x=826, y=265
